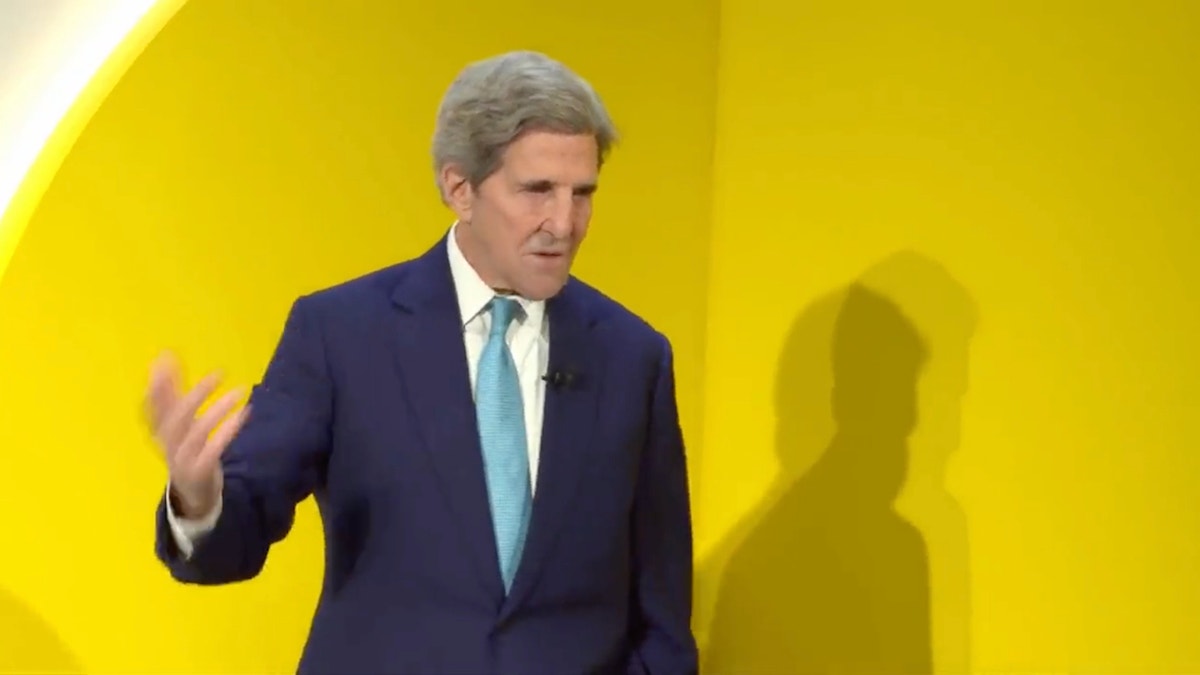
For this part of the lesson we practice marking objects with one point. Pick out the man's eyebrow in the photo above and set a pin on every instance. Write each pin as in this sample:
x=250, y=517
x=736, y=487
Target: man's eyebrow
x=540, y=185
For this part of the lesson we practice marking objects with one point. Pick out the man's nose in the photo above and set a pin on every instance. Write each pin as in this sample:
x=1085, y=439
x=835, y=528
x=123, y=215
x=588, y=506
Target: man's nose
x=561, y=215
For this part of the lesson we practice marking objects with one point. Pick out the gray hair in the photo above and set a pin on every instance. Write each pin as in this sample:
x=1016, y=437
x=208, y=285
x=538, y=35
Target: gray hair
x=493, y=102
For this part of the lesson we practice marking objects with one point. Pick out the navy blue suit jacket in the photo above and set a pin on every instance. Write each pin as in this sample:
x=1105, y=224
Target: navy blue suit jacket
x=366, y=405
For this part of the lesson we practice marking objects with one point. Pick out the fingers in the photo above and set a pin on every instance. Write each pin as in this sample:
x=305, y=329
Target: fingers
x=163, y=390
x=196, y=437
x=172, y=415
x=211, y=452
x=181, y=416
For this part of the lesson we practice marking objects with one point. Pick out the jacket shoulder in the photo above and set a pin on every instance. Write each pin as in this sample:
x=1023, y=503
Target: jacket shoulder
x=627, y=327
x=365, y=291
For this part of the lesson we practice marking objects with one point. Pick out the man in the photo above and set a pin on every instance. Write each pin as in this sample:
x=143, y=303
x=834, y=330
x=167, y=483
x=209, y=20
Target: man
x=493, y=445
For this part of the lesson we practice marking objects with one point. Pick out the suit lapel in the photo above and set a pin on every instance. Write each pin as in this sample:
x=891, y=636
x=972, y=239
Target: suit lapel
x=432, y=361
x=567, y=429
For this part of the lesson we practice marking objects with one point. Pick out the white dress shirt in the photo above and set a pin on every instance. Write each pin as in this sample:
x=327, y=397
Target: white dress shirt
x=528, y=338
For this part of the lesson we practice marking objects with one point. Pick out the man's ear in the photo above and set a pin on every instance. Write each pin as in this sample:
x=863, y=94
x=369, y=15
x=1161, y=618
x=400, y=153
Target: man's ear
x=457, y=192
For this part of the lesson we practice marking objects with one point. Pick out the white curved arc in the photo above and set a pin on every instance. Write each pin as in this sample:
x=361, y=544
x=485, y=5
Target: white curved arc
x=49, y=51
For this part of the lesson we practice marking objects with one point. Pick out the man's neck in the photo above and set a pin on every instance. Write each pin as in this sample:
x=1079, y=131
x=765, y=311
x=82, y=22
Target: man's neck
x=467, y=246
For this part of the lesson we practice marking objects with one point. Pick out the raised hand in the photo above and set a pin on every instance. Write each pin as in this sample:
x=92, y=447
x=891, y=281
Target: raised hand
x=189, y=443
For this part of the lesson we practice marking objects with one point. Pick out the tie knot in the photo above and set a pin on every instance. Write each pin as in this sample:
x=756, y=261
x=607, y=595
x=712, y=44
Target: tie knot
x=503, y=312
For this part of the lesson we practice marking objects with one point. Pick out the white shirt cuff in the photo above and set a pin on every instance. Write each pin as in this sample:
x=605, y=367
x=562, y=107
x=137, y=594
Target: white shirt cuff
x=187, y=532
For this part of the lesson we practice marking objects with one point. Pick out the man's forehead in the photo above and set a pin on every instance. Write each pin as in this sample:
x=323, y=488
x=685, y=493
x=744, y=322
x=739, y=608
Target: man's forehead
x=553, y=147
x=552, y=174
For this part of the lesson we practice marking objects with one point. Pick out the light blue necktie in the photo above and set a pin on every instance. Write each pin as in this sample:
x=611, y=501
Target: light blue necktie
x=502, y=435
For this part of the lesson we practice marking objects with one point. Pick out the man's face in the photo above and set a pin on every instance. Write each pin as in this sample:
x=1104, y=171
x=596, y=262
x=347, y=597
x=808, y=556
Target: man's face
x=520, y=229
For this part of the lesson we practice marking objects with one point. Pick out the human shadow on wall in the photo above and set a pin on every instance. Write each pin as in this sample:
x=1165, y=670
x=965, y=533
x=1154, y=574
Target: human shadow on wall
x=827, y=575
x=28, y=643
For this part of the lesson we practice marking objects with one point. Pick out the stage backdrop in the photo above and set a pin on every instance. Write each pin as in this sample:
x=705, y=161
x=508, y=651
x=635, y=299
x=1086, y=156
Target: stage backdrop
x=929, y=273
x=1007, y=189
x=58, y=59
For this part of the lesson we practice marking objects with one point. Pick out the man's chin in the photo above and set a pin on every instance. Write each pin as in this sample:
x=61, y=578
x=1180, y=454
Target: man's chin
x=543, y=288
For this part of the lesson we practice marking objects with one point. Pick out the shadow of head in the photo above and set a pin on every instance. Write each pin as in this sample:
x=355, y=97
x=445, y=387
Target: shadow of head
x=877, y=356
x=880, y=359
x=29, y=643
x=849, y=369
x=829, y=578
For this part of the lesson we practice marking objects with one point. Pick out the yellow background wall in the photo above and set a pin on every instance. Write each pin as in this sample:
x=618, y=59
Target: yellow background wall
x=256, y=151
x=1015, y=182
x=1002, y=196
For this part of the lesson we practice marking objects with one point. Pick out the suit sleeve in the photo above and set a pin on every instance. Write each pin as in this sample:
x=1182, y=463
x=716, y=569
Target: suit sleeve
x=663, y=643
x=276, y=461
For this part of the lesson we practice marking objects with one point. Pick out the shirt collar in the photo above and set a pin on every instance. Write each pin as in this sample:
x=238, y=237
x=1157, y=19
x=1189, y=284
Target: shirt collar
x=474, y=295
